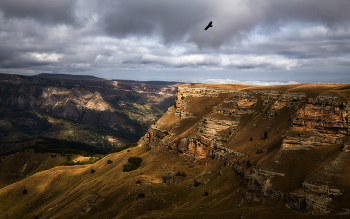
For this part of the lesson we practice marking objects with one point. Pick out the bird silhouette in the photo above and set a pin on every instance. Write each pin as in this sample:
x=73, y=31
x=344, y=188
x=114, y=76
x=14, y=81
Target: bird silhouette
x=209, y=25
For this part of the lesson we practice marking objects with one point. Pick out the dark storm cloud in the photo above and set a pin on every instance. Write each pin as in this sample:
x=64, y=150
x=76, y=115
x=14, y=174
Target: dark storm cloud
x=44, y=11
x=156, y=35
x=175, y=20
x=171, y=19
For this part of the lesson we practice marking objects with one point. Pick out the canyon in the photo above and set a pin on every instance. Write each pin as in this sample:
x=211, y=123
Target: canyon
x=103, y=113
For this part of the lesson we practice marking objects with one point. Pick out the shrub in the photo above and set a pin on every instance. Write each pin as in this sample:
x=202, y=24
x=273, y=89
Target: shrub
x=109, y=161
x=93, y=171
x=265, y=135
x=138, y=181
x=69, y=157
x=251, y=139
x=25, y=191
x=141, y=195
x=183, y=174
x=259, y=151
x=206, y=193
x=66, y=163
x=196, y=183
x=135, y=161
x=249, y=164
x=133, y=164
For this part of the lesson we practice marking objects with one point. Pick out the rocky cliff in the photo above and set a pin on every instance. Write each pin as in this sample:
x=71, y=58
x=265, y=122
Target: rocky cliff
x=288, y=143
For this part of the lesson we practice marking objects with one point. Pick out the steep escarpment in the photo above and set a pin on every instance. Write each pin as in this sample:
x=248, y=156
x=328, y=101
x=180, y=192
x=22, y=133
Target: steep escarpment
x=288, y=143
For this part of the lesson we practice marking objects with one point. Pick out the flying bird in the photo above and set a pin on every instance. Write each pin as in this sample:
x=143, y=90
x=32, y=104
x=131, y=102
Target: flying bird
x=209, y=25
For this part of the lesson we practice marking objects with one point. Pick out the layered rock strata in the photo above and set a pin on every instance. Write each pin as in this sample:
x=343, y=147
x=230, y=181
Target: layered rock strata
x=217, y=121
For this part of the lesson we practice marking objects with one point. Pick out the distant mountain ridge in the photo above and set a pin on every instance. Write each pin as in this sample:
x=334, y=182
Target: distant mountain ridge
x=67, y=76
x=90, y=77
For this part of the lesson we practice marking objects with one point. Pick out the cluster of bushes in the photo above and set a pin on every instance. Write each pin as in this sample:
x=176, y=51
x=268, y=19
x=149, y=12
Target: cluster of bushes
x=141, y=195
x=63, y=147
x=91, y=160
x=196, y=183
x=133, y=164
x=183, y=174
x=131, y=145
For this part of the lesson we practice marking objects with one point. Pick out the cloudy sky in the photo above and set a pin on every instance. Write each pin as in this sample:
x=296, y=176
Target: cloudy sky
x=251, y=41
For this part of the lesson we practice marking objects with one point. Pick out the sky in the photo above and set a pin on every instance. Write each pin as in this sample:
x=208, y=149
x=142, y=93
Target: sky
x=251, y=41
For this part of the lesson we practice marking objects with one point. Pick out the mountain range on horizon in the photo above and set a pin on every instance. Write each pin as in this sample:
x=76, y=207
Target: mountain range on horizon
x=90, y=77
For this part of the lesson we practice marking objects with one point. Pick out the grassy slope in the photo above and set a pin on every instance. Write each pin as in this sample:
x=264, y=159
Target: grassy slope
x=20, y=165
x=64, y=191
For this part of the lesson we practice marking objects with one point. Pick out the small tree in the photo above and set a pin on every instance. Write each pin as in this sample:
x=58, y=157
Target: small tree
x=206, y=193
x=93, y=171
x=25, y=191
x=265, y=135
x=249, y=164
x=141, y=195
x=109, y=161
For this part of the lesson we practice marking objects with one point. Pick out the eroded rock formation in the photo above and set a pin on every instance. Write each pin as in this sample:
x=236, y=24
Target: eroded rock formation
x=242, y=125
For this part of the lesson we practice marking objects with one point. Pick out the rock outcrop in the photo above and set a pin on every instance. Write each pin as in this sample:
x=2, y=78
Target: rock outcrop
x=321, y=121
x=222, y=122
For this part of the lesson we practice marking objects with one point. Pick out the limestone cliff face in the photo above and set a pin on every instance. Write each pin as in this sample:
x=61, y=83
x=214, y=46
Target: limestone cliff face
x=269, y=135
x=317, y=121
x=321, y=121
x=218, y=112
